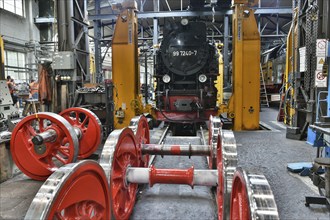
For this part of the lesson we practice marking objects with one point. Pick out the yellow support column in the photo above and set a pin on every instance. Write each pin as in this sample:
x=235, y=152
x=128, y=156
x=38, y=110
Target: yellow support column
x=125, y=75
x=219, y=80
x=244, y=106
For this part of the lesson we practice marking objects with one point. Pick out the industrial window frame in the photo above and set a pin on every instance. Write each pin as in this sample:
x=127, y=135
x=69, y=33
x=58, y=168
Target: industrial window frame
x=13, y=6
x=15, y=65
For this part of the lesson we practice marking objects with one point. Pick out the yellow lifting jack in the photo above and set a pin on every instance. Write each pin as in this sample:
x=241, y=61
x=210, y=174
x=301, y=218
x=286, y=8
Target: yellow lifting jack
x=244, y=104
x=126, y=76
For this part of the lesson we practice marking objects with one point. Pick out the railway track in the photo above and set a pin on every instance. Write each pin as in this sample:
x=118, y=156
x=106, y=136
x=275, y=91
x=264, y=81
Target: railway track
x=167, y=201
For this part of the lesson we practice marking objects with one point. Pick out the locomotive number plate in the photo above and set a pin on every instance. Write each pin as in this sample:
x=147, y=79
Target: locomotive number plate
x=184, y=53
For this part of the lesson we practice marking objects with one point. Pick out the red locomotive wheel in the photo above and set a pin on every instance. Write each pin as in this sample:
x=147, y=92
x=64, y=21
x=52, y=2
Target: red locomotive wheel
x=252, y=197
x=226, y=165
x=221, y=181
x=120, y=152
x=75, y=191
x=38, y=161
x=239, y=207
x=140, y=127
x=90, y=128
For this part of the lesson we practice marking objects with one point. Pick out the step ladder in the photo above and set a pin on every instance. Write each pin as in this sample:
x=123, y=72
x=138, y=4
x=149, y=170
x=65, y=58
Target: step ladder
x=280, y=115
x=263, y=93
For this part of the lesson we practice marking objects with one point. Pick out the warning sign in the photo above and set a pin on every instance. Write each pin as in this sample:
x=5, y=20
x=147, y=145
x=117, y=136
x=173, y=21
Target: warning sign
x=321, y=45
x=319, y=62
x=320, y=79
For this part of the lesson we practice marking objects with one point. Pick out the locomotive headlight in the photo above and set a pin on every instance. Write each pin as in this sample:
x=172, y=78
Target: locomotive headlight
x=202, y=78
x=184, y=21
x=166, y=78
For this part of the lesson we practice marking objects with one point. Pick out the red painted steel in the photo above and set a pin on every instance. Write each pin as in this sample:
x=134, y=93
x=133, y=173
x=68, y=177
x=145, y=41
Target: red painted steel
x=84, y=195
x=122, y=193
x=175, y=150
x=188, y=117
x=143, y=137
x=171, y=176
x=220, y=188
x=239, y=201
x=39, y=165
x=90, y=128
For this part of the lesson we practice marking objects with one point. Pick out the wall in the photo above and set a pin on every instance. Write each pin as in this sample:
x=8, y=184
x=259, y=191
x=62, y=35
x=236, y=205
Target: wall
x=18, y=30
x=15, y=28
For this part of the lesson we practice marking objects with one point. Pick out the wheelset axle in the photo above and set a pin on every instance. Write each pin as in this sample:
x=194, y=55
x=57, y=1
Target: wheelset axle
x=189, y=176
x=43, y=142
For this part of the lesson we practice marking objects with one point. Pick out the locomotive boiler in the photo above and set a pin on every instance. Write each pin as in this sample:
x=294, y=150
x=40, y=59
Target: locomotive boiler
x=186, y=69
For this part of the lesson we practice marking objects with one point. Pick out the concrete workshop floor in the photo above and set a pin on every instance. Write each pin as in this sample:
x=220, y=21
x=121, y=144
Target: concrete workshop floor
x=264, y=151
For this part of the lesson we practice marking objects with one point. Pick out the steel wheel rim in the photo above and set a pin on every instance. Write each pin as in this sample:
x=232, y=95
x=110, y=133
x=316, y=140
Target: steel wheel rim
x=39, y=166
x=67, y=195
x=113, y=160
x=90, y=127
x=140, y=127
x=214, y=131
x=227, y=158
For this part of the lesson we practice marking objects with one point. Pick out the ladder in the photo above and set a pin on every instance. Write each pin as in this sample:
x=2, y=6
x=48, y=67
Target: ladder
x=263, y=93
x=281, y=114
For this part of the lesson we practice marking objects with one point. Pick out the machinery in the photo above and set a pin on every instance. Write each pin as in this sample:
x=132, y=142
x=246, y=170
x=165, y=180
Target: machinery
x=7, y=111
x=42, y=142
x=243, y=109
x=318, y=136
x=121, y=168
x=45, y=146
x=187, y=67
x=303, y=79
x=186, y=70
x=125, y=77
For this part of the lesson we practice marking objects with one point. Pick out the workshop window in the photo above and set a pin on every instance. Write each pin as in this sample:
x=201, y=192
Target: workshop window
x=15, y=65
x=14, y=6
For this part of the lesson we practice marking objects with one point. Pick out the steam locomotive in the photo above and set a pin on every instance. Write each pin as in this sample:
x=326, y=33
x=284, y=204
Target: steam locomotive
x=186, y=69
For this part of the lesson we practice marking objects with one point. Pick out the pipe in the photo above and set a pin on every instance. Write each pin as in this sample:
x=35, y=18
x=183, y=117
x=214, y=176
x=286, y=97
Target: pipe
x=189, y=176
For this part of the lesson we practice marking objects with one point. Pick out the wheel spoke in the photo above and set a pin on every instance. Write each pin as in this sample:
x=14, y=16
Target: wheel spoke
x=77, y=116
x=30, y=129
x=122, y=200
x=83, y=123
x=116, y=188
x=41, y=125
x=58, y=157
x=120, y=163
x=117, y=176
x=48, y=161
x=64, y=150
x=128, y=192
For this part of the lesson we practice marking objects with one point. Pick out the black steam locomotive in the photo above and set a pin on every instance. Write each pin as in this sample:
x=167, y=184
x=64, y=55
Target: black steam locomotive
x=186, y=69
